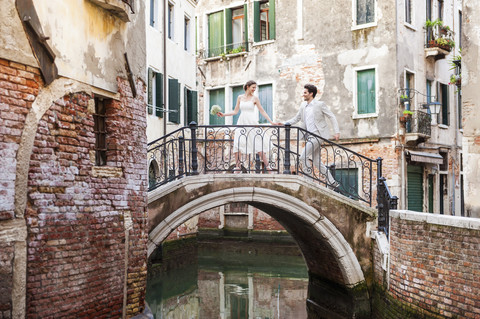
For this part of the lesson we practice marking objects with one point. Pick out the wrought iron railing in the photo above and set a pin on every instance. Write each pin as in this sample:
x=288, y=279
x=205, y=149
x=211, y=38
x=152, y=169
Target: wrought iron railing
x=420, y=122
x=231, y=48
x=217, y=149
x=385, y=202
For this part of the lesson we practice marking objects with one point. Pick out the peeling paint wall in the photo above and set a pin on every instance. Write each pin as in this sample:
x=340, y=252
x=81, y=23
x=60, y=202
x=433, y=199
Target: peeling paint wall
x=471, y=96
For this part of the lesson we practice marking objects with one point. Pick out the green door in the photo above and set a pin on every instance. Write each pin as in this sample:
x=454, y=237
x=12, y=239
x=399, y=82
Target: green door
x=217, y=97
x=236, y=92
x=430, y=193
x=415, y=188
x=265, y=96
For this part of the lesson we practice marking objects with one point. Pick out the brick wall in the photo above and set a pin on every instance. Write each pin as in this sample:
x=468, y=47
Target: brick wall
x=81, y=260
x=434, y=267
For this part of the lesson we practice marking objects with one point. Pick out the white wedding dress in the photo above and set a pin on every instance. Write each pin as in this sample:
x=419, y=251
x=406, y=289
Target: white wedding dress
x=249, y=140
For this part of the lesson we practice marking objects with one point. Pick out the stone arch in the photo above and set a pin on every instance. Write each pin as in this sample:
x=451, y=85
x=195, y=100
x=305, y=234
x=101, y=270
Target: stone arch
x=296, y=213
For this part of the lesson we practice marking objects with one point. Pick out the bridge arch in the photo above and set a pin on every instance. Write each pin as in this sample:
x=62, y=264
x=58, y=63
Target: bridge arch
x=331, y=230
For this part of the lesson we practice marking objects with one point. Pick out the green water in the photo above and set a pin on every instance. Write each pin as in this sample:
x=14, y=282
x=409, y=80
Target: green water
x=229, y=280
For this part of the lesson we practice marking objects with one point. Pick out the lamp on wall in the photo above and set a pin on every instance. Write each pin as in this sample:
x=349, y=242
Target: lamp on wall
x=434, y=108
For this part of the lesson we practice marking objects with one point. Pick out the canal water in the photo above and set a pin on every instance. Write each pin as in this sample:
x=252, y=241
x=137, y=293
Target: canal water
x=227, y=279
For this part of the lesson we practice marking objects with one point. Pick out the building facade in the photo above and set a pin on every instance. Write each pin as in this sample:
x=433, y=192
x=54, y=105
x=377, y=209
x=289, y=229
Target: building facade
x=364, y=56
x=74, y=175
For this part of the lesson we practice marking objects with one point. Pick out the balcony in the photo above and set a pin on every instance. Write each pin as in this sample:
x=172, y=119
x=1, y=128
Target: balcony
x=119, y=8
x=438, y=40
x=226, y=52
x=418, y=127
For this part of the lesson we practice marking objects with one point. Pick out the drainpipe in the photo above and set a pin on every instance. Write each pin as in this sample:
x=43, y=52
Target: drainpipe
x=165, y=77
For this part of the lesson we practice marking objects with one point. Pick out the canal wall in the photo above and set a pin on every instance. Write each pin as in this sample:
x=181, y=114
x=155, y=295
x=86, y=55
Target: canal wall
x=429, y=268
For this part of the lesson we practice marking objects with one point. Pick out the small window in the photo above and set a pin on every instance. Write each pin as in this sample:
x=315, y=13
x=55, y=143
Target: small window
x=186, y=39
x=408, y=11
x=460, y=24
x=440, y=10
x=153, y=13
x=445, y=111
x=170, y=21
x=100, y=130
x=366, y=91
x=364, y=11
x=155, y=93
x=264, y=20
x=429, y=10
x=236, y=29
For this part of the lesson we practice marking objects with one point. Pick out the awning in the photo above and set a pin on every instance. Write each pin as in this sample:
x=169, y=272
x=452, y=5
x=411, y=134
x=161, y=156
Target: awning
x=424, y=157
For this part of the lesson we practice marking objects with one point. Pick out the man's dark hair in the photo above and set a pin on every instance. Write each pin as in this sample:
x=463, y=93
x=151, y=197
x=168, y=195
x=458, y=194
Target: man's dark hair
x=311, y=89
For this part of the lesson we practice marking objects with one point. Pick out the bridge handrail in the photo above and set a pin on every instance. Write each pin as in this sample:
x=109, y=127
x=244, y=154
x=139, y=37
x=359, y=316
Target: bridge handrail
x=204, y=149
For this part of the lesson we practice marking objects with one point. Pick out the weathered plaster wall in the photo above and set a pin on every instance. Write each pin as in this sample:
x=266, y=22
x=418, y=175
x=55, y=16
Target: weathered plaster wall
x=470, y=98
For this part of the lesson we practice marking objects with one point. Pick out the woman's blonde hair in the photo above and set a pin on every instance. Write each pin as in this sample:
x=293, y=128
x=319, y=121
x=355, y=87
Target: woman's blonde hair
x=248, y=84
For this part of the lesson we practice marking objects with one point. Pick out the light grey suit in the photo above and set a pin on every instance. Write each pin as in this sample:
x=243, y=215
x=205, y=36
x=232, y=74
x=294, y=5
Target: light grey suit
x=312, y=147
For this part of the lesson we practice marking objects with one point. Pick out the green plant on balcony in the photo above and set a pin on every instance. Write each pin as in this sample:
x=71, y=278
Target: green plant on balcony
x=439, y=35
x=456, y=80
x=404, y=98
x=236, y=50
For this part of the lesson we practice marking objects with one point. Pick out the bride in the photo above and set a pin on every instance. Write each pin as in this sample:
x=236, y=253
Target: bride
x=250, y=142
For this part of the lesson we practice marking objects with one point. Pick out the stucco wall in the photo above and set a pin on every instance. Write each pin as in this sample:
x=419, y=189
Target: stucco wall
x=471, y=96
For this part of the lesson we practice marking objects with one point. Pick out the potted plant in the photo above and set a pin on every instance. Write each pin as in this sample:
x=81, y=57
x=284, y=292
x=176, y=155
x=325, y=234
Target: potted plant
x=404, y=98
x=406, y=117
x=456, y=80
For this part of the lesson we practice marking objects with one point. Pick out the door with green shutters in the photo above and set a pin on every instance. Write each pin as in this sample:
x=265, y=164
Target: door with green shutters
x=265, y=97
x=216, y=40
x=236, y=92
x=415, y=188
x=217, y=97
x=366, y=91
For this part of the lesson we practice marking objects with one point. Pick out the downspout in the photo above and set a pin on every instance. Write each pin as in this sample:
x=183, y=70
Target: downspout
x=165, y=77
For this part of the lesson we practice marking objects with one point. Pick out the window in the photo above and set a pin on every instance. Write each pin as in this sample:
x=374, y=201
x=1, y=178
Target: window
x=429, y=94
x=364, y=11
x=216, y=40
x=460, y=23
x=440, y=10
x=191, y=106
x=408, y=11
x=186, y=37
x=264, y=20
x=459, y=108
x=444, y=112
x=366, y=91
x=100, y=130
x=153, y=13
x=409, y=86
x=428, y=10
x=155, y=93
x=265, y=96
x=170, y=21
x=173, y=101
x=217, y=97
x=236, y=29
x=348, y=179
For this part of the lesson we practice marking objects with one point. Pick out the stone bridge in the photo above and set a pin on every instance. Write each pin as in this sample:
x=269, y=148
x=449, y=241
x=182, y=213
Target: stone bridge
x=332, y=231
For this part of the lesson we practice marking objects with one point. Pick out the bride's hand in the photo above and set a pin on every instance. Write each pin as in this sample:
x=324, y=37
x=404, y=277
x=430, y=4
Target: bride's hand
x=220, y=114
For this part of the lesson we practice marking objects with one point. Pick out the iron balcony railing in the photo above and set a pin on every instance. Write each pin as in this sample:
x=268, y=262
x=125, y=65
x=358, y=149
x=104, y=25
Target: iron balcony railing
x=231, y=48
x=420, y=122
x=217, y=149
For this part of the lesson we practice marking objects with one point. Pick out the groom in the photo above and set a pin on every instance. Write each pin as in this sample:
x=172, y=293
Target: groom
x=313, y=114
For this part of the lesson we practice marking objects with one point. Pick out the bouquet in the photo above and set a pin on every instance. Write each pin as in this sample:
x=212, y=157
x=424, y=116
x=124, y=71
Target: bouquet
x=215, y=109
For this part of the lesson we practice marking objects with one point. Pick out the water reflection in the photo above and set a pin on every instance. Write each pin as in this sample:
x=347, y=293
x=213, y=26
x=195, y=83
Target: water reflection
x=241, y=283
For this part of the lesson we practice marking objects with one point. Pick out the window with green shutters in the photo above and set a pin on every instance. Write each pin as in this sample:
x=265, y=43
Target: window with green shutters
x=236, y=92
x=366, y=101
x=445, y=111
x=236, y=29
x=155, y=93
x=265, y=96
x=191, y=106
x=348, y=179
x=216, y=41
x=264, y=20
x=217, y=97
x=173, y=101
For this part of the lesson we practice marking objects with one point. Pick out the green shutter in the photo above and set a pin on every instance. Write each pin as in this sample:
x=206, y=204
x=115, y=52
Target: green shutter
x=348, y=179
x=194, y=107
x=173, y=101
x=236, y=92
x=228, y=29
x=366, y=91
x=445, y=110
x=415, y=188
x=271, y=19
x=256, y=21
x=159, y=94
x=265, y=96
x=215, y=34
x=150, y=93
x=217, y=97
x=245, y=21
x=186, y=105
x=430, y=193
